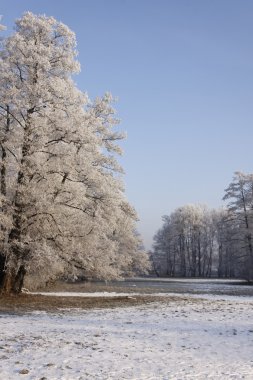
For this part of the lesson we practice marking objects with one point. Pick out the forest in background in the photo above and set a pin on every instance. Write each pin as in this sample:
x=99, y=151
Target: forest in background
x=195, y=241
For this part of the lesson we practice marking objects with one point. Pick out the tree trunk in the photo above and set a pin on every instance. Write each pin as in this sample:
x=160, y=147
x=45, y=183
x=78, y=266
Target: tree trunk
x=13, y=281
x=8, y=283
x=2, y=267
x=3, y=190
x=199, y=255
x=15, y=273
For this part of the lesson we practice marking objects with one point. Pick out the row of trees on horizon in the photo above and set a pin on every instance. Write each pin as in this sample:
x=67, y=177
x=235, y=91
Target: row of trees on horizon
x=195, y=241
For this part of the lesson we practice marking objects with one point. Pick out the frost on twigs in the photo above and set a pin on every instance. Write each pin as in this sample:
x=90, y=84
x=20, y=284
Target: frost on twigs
x=2, y=27
x=196, y=241
x=65, y=211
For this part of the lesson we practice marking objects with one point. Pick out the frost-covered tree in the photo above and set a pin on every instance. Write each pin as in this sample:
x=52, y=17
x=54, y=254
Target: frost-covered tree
x=195, y=241
x=36, y=89
x=226, y=244
x=130, y=247
x=3, y=220
x=240, y=209
x=61, y=192
x=184, y=245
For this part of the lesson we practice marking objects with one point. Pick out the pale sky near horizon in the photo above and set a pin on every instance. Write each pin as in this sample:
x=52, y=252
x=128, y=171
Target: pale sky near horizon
x=182, y=72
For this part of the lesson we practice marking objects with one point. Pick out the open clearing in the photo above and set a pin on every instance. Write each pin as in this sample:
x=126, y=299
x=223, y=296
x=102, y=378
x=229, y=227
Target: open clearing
x=126, y=337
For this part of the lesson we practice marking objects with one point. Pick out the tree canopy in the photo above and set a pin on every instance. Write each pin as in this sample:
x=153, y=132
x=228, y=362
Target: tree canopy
x=64, y=211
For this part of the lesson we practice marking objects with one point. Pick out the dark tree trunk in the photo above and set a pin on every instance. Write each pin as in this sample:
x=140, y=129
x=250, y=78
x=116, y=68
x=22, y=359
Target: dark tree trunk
x=4, y=153
x=194, y=262
x=14, y=276
x=2, y=267
x=13, y=281
x=3, y=190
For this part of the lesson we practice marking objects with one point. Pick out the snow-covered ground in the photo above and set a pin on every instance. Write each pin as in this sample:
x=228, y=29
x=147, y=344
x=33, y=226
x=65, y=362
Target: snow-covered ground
x=180, y=338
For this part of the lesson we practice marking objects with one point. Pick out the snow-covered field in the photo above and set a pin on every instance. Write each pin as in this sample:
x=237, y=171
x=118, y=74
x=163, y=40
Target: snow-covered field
x=180, y=338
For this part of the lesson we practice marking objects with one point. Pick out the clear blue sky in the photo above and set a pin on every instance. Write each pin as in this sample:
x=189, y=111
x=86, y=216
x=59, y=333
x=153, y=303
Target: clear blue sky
x=183, y=73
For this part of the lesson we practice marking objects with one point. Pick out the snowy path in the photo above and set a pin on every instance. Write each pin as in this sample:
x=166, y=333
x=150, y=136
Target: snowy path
x=182, y=339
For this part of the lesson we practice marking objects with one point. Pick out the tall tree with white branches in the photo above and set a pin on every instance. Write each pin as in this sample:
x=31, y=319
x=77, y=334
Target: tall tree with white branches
x=60, y=187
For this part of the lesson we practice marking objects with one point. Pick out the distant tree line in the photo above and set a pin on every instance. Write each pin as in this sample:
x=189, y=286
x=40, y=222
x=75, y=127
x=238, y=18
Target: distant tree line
x=195, y=241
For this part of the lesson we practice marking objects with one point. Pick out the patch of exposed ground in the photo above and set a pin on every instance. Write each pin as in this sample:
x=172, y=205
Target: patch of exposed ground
x=29, y=302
